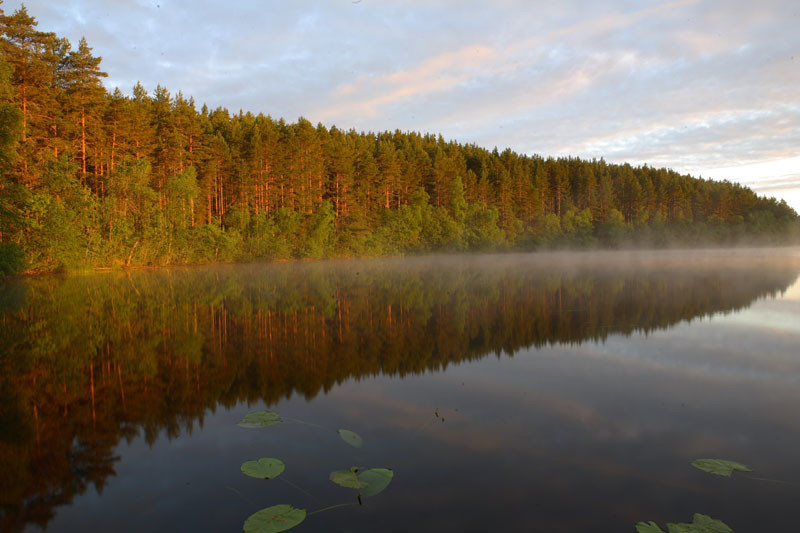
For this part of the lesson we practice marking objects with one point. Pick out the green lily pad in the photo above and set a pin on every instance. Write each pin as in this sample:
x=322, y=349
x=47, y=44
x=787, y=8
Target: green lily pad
x=368, y=482
x=648, y=527
x=720, y=467
x=353, y=439
x=376, y=479
x=347, y=478
x=260, y=419
x=700, y=524
x=705, y=524
x=264, y=468
x=274, y=519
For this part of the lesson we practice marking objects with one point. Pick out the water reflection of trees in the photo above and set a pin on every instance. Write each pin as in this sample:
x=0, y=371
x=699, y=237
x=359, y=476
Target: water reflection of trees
x=88, y=361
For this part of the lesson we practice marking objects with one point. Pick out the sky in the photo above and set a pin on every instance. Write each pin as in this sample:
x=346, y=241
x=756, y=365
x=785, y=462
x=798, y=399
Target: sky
x=709, y=88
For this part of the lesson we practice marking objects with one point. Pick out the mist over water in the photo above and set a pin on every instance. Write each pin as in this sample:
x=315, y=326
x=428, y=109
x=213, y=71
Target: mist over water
x=559, y=392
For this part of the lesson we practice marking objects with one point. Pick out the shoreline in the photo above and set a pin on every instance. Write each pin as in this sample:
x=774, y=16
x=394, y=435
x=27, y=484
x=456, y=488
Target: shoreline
x=421, y=255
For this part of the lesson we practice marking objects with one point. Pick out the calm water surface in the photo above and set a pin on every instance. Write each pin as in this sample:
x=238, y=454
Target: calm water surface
x=562, y=392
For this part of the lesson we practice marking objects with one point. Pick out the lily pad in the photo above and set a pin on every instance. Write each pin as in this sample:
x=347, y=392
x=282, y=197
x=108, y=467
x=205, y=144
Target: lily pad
x=260, y=419
x=264, y=468
x=347, y=478
x=368, y=482
x=648, y=527
x=700, y=524
x=353, y=439
x=376, y=480
x=274, y=519
x=720, y=467
x=705, y=524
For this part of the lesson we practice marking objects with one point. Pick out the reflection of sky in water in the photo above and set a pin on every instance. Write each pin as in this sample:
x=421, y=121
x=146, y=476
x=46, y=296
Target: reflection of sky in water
x=761, y=341
x=589, y=437
x=779, y=315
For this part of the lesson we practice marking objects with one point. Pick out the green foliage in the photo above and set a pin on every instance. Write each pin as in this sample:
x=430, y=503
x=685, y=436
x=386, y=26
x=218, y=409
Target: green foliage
x=648, y=527
x=212, y=243
x=11, y=258
x=347, y=478
x=457, y=204
x=14, y=201
x=700, y=524
x=402, y=229
x=375, y=480
x=274, y=519
x=440, y=231
x=264, y=468
x=547, y=230
x=319, y=233
x=720, y=467
x=368, y=482
x=10, y=120
x=237, y=219
x=182, y=191
x=131, y=184
x=61, y=214
x=287, y=223
x=578, y=227
x=481, y=229
x=273, y=237
x=351, y=438
x=613, y=229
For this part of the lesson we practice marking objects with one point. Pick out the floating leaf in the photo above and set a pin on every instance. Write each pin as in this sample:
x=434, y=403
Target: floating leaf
x=260, y=419
x=706, y=524
x=353, y=439
x=720, y=467
x=648, y=527
x=347, y=478
x=264, y=468
x=700, y=524
x=274, y=519
x=369, y=482
x=376, y=479
x=684, y=528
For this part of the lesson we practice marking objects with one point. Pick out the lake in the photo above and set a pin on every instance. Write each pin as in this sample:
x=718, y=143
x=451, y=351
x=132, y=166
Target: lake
x=519, y=392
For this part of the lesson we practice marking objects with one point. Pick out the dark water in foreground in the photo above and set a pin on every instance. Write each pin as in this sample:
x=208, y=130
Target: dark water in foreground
x=565, y=392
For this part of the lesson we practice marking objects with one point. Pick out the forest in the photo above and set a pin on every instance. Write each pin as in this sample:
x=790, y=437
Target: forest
x=96, y=179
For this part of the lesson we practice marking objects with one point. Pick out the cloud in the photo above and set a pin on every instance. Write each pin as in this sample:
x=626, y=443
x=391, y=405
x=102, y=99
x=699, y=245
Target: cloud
x=436, y=74
x=769, y=177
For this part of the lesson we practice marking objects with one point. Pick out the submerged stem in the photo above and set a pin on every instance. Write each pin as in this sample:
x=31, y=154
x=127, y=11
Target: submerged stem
x=306, y=423
x=242, y=496
x=772, y=480
x=330, y=508
x=298, y=487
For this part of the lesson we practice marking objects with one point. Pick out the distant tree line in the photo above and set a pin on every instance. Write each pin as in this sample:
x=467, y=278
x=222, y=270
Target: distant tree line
x=93, y=178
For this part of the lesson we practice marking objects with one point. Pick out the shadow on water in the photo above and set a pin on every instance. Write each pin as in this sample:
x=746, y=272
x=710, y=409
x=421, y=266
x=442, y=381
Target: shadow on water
x=90, y=361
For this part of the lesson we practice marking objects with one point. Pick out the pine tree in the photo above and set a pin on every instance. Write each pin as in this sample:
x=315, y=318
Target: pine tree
x=23, y=48
x=10, y=134
x=85, y=93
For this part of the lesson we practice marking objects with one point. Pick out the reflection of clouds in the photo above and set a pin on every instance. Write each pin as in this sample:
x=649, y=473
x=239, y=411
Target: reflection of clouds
x=728, y=348
x=574, y=409
x=528, y=426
